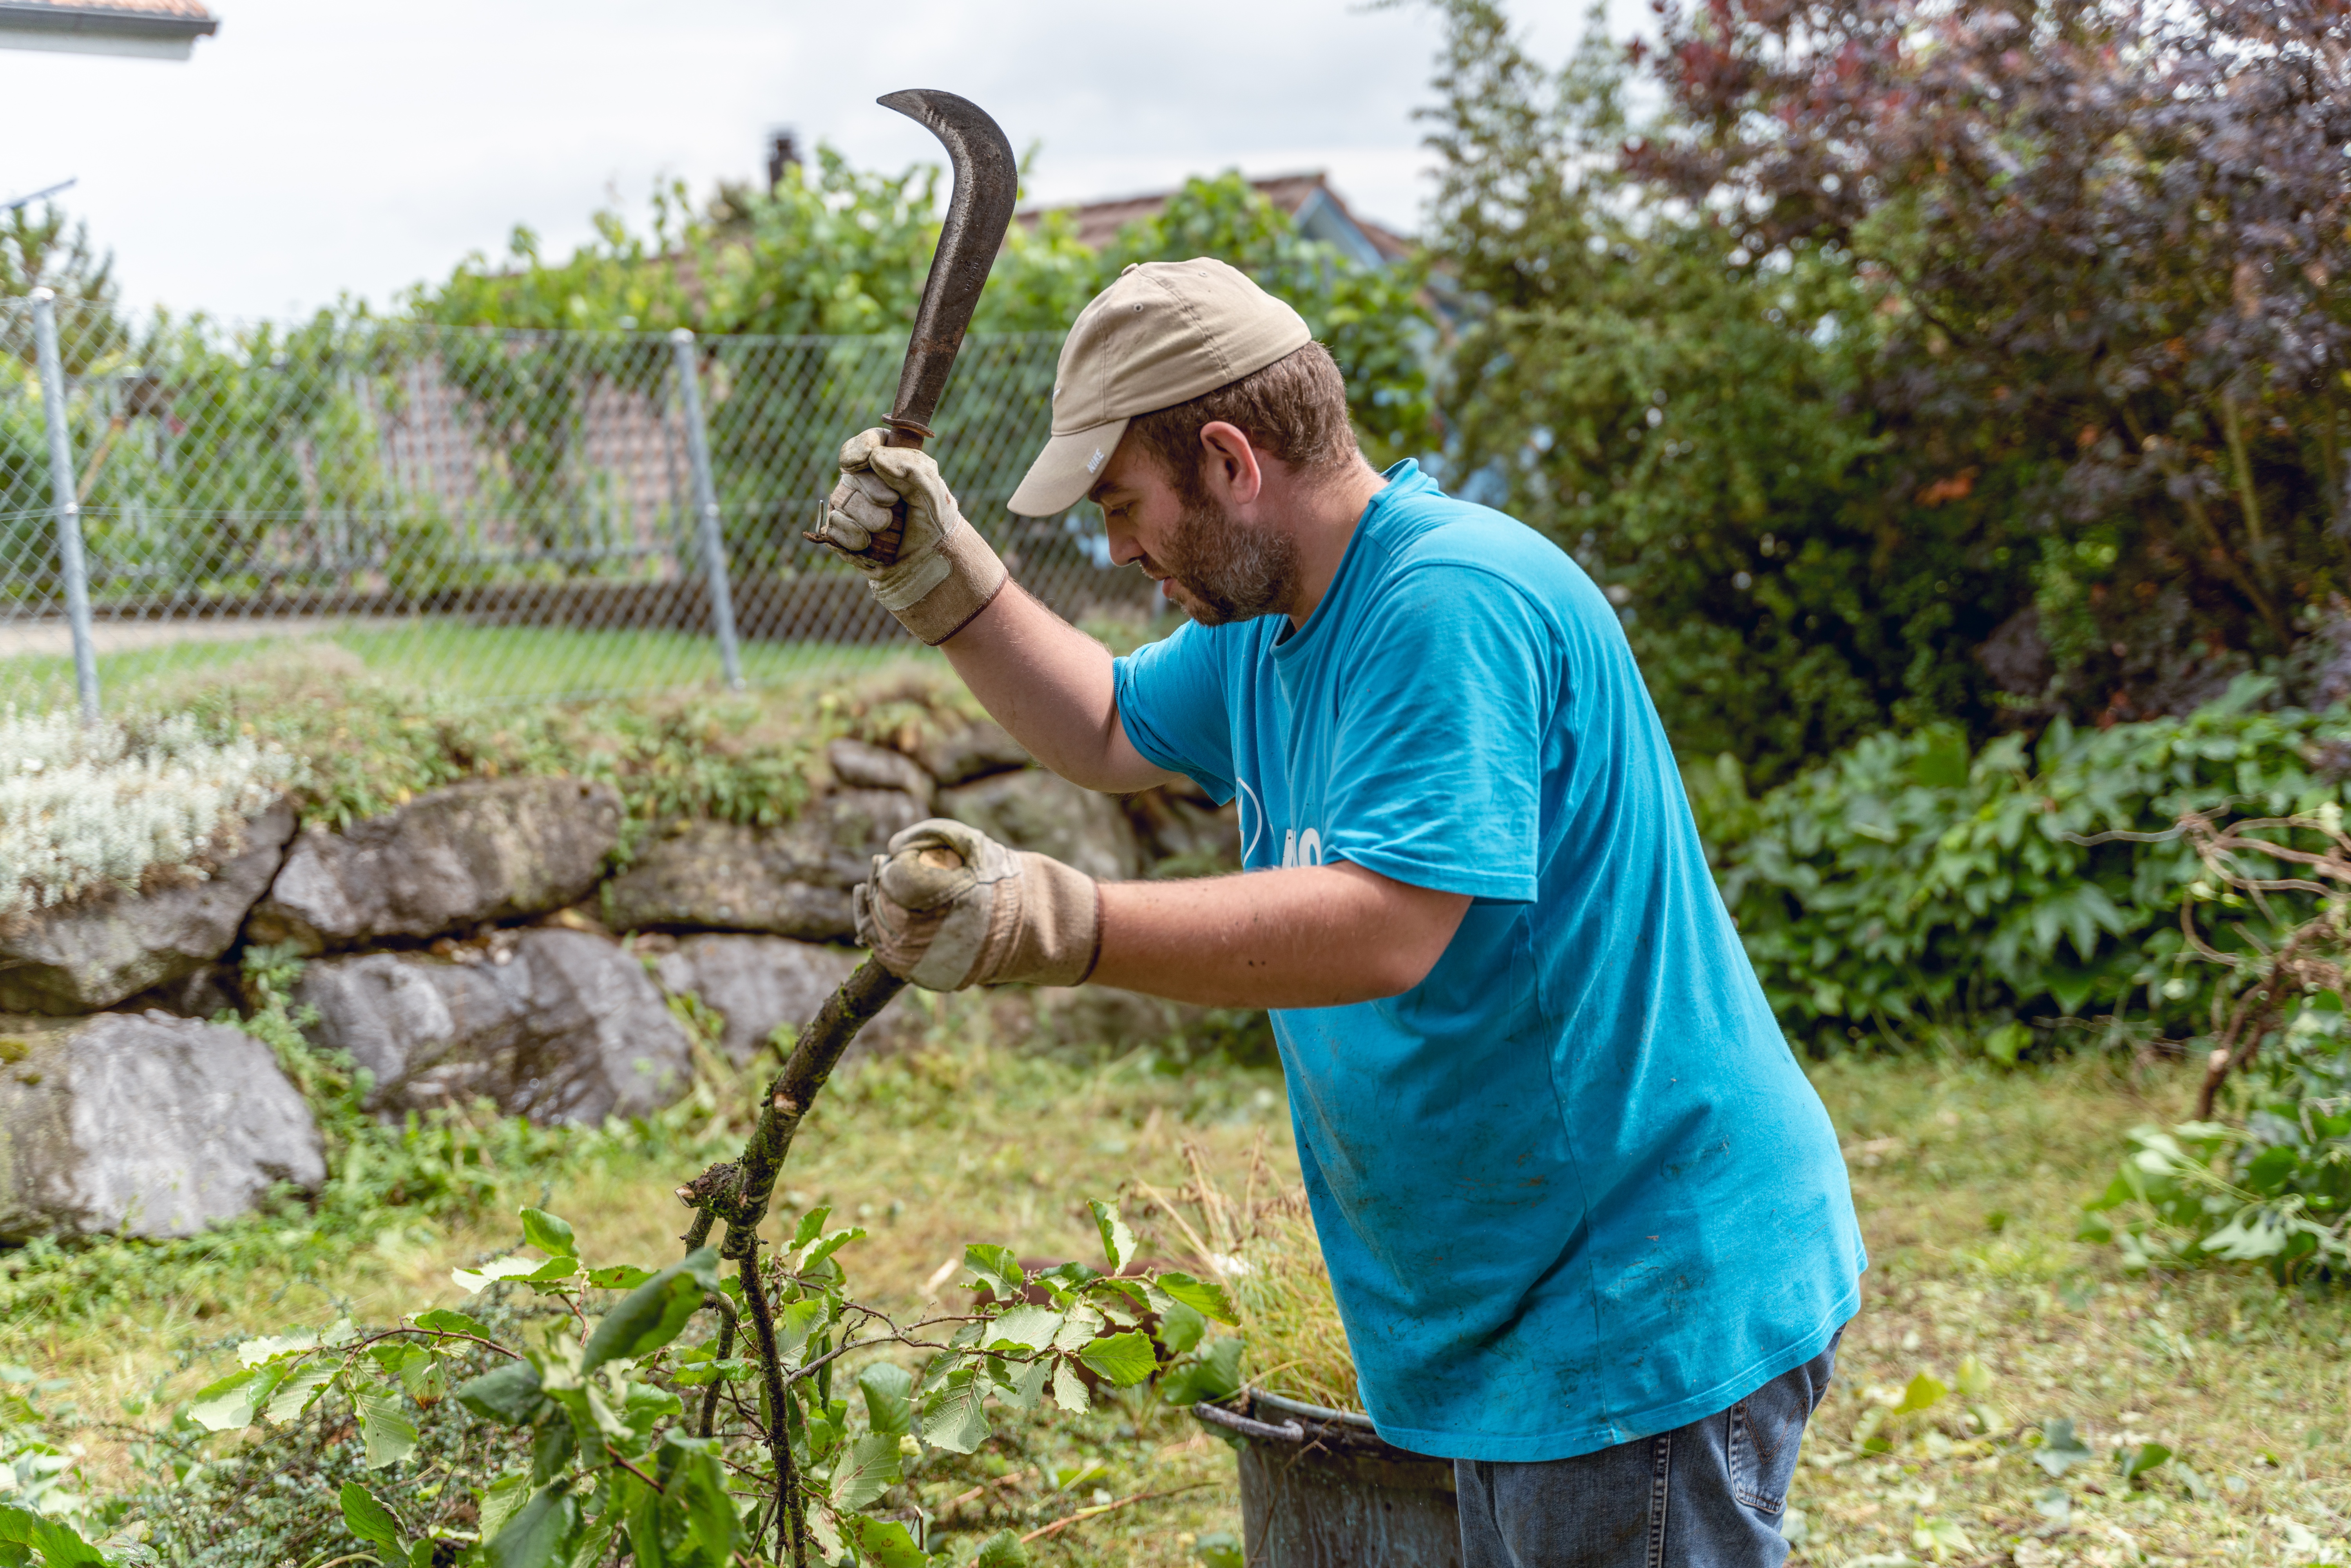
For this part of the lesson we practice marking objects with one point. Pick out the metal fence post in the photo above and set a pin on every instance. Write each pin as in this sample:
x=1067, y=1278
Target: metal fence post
x=67, y=504
x=705, y=502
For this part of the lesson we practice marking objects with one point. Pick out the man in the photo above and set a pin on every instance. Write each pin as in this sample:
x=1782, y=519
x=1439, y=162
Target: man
x=1586, y=1221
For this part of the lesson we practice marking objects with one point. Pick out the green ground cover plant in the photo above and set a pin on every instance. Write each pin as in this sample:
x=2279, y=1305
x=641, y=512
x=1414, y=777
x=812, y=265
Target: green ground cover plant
x=1914, y=884
x=91, y=808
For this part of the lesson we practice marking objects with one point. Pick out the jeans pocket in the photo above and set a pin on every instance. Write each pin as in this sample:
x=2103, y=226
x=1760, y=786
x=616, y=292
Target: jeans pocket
x=1766, y=1429
x=1747, y=1480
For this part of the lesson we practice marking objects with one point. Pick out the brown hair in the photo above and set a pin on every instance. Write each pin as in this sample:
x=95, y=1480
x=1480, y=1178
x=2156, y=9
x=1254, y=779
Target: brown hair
x=1294, y=410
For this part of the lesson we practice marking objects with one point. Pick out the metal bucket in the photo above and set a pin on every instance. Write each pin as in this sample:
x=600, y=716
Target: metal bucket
x=1319, y=1489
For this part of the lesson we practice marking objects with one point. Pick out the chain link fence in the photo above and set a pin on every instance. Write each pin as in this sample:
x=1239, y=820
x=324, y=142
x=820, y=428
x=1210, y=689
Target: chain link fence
x=519, y=516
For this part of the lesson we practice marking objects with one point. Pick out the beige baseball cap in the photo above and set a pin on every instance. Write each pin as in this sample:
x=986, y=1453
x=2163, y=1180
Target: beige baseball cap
x=1166, y=333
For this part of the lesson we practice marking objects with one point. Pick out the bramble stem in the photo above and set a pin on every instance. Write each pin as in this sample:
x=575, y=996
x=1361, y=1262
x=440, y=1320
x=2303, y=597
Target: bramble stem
x=738, y=1191
x=788, y=1522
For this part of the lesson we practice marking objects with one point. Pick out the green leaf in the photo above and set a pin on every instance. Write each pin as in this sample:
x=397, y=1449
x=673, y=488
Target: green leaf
x=997, y=1269
x=1069, y=1390
x=593, y=1542
x=1926, y=1391
x=509, y=1394
x=886, y=1543
x=825, y=1247
x=390, y=1434
x=1180, y=1328
x=799, y=1319
x=2060, y=1450
x=227, y=1405
x=1002, y=1550
x=619, y=1277
x=868, y=1469
x=1214, y=1374
x=1024, y=1328
x=1079, y=1326
x=549, y=1234
x=51, y=1543
x=887, y=1387
x=953, y=1417
x=698, y=1482
x=1205, y=1296
x=557, y=1271
x=812, y=1226
x=1023, y=1391
x=253, y=1351
x=1973, y=1378
x=474, y=1280
x=654, y=1313
x=535, y=1536
x=500, y=1501
x=441, y=1320
x=300, y=1390
x=370, y=1520
x=1121, y=1359
x=2135, y=1461
x=1118, y=1242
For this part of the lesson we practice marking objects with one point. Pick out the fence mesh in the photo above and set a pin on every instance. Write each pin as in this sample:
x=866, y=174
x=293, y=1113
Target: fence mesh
x=507, y=513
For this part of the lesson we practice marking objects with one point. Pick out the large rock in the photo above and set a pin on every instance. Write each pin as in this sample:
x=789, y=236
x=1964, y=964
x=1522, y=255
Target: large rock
x=556, y=1025
x=143, y=1124
x=971, y=752
x=862, y=766
x=92, y=954
x=861, y=821
x=485, y=851
x=1184, y=831
x=716, y=876
x=1043, y=811
x=756, y=983
x=792, y=881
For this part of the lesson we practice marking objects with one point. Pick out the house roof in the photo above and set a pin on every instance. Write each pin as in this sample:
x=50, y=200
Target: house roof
x=1307, y=198
x=167, y=29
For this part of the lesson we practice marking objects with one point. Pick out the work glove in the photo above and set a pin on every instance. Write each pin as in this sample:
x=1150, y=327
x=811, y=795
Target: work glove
x=945, y=574
x=949, y=907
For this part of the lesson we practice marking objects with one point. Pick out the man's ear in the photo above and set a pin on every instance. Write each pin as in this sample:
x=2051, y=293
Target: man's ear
x=1229, y=463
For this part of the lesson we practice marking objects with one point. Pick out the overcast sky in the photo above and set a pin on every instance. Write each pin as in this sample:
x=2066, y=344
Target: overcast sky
x=319, y=147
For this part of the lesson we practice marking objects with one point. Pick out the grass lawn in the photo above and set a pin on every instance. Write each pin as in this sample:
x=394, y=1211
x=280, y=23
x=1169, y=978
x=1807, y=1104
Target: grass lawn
x=523, y=664
x=1969, y=1182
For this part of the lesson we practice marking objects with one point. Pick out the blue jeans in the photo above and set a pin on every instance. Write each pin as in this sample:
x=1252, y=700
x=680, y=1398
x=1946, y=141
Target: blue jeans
x=1707, y=1495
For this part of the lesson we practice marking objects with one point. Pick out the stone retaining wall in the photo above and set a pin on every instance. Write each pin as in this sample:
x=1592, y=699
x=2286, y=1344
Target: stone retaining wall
x=477, y=943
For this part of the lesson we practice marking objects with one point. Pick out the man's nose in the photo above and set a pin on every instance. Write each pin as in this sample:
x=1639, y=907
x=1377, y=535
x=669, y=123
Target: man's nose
x=1125, y=550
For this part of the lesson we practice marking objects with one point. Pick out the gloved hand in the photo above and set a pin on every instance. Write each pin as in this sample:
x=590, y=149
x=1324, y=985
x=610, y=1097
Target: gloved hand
x=949, y=907
x=945, y=574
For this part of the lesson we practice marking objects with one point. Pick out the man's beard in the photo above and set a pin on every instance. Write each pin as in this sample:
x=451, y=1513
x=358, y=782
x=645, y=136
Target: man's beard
x=1227, y=570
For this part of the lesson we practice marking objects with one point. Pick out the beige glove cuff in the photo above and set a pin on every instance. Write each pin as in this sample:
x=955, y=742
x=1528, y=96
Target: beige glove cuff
x=1057, y=939
x=944, y=592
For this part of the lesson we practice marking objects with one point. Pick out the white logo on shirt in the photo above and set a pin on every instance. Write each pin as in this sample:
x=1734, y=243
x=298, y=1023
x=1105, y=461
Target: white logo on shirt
x=1301, y=849
x=1257, y=810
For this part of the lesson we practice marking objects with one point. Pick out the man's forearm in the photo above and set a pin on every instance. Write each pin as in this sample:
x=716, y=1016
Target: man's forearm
x=1308, y=936
x=1051, y=686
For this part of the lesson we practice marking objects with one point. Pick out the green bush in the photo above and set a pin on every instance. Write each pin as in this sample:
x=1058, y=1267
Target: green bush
x=1907, y=886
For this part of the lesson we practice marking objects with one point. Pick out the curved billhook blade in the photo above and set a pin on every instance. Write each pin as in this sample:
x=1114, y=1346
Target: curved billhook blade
x=986, y=183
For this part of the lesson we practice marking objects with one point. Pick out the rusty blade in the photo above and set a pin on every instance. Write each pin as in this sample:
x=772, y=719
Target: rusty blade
x=980, y=210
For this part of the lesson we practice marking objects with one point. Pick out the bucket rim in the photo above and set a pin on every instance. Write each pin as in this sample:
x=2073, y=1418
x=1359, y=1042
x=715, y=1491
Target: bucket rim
x=1289, y=1406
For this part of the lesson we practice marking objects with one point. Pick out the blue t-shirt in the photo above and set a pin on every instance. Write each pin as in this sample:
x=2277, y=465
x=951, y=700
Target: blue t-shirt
x=1572, y=1188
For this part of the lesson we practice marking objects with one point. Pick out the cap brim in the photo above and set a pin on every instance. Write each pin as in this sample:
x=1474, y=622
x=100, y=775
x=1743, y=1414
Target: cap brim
x=1070, y=465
